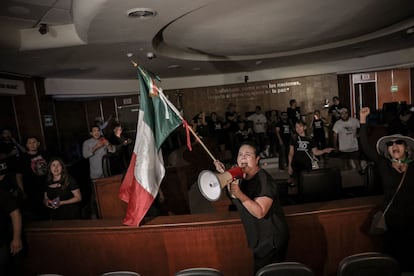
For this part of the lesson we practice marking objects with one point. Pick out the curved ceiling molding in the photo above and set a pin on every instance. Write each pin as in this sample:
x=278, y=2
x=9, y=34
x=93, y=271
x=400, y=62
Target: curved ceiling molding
x=90, y=39
x=217, y=32
x=84, y=12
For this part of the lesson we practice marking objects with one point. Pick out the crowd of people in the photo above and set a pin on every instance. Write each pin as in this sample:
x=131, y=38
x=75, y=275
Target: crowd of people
x=259, y=205
x=36, y=186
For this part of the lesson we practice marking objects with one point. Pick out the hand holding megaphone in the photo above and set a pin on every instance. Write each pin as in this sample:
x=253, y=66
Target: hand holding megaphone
x=210, y=183
x=234, y=188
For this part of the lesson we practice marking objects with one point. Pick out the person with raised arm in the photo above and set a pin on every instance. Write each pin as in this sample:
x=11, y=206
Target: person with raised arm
x=393, y=157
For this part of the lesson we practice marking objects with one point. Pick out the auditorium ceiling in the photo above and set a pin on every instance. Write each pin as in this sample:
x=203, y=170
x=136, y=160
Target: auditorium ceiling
x=97, y=39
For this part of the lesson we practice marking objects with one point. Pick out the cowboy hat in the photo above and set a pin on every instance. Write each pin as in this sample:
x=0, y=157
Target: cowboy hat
x=382, y=142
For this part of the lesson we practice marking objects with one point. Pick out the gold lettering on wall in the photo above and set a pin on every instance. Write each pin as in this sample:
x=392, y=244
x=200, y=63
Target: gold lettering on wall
x=251, y=90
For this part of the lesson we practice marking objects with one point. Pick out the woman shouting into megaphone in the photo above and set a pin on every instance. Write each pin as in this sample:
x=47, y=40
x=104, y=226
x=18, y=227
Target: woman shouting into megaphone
x=257, y=200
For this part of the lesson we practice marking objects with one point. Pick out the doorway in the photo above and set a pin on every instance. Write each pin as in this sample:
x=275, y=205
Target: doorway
x=365, y=96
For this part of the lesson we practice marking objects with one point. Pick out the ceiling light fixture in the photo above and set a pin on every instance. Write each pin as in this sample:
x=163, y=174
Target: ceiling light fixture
x=141, y=13
x=409, y=31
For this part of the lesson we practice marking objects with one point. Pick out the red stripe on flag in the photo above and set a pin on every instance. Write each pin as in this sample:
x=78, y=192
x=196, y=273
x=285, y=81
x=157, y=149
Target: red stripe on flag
x=139, y=200
x=187, y=132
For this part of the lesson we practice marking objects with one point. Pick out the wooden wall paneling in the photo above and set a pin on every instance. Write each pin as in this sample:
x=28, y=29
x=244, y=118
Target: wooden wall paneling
x=321, y=235
x=28, y=112
x=344, y=90
x=399, y=77
x=345, y=236
x=151, y=251
x=223, y=247
x=52, y=142
x=73, y=129
x=93, y=110
x=108, y=107
x=307, y=242
x=109, y=204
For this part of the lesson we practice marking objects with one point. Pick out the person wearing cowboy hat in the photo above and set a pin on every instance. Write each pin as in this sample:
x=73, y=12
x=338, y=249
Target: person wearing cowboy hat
x=393, y=157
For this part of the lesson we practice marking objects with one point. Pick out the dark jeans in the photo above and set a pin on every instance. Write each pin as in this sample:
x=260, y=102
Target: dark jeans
x=275, y=256
x=4, y=257
x=261, y=140
x=320, y=140
x=283, y=156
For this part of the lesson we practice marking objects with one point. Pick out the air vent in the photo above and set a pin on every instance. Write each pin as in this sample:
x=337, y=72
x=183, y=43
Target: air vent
x=141, y=13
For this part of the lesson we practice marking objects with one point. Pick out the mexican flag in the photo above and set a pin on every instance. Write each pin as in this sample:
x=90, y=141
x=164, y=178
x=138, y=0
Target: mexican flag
x=156, y=120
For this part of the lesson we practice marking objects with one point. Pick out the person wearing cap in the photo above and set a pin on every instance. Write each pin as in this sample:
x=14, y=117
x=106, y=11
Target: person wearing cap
x=393, y=156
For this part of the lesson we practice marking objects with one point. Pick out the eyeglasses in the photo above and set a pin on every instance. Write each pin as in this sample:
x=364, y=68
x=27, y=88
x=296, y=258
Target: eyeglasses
x=397, y=142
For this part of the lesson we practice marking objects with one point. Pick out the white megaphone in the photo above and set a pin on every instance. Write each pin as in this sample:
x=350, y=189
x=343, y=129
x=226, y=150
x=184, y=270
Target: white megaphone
x=210, y=183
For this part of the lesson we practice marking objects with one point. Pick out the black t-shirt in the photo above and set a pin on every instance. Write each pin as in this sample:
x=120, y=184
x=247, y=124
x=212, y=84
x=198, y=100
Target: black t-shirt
x=68, y=211
x=293, y=114
x=273, y=226
x=12, y=161
x=334, y=111
x=34, y=169
x=216, y=129
x=285, y=131
x=318, y=127
x=8, y=183
x=115, y=140
x=302, y=147
x=231, y=122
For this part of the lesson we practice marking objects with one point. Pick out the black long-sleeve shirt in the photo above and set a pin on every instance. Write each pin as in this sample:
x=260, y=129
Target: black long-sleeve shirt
x=400, y=215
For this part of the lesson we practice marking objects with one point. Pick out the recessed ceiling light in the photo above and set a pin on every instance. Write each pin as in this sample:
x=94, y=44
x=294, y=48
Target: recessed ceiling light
x=196, y=69
x=173, y=66
x=141, y=13
x=259, y=62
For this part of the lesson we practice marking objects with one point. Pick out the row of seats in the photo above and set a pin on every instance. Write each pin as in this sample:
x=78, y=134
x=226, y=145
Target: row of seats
x=362, y=264
x=326, y=184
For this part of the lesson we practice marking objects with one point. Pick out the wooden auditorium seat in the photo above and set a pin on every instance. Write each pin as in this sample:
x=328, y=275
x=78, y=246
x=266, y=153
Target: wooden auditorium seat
x=199, y=271
x=368, y=264
x=285, y=269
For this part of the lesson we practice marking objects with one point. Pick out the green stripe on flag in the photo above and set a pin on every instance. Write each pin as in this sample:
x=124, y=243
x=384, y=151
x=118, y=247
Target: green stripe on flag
x=157, y=115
